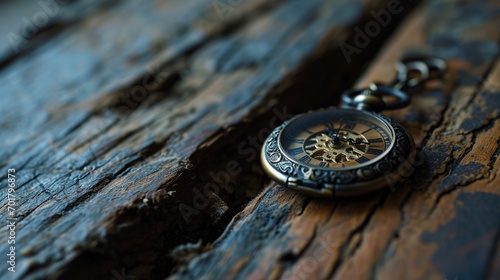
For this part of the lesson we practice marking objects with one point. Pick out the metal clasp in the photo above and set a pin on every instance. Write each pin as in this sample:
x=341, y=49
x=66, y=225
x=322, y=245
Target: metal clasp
x=412, y=71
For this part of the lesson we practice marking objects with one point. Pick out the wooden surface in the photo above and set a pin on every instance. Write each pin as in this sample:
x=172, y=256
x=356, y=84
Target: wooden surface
x=134, y=129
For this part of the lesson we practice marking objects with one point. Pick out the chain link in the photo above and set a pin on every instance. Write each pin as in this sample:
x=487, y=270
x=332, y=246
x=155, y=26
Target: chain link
x=412, y=72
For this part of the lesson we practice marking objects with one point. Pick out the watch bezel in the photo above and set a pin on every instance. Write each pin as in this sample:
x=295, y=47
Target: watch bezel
x=330, y=182
x=377, y=117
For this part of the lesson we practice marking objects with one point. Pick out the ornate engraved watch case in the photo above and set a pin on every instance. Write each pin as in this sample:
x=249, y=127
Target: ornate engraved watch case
x=337, y=152
x=340, y=152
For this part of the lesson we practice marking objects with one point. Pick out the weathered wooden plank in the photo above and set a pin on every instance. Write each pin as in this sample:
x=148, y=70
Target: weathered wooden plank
x=25, y=25
x=441, y=224
x=104, y=169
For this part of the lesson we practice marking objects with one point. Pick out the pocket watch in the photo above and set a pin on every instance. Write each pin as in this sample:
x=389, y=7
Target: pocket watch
x=351, y=150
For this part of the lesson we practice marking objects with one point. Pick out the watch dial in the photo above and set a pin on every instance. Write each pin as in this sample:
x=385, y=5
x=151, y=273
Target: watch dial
x=336, y=138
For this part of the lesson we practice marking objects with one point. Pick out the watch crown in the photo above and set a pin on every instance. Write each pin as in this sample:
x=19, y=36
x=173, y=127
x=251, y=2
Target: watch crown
x=370, y=98
x=371, y=90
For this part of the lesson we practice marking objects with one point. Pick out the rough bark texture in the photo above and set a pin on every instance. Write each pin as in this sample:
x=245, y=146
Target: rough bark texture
x=134, y=131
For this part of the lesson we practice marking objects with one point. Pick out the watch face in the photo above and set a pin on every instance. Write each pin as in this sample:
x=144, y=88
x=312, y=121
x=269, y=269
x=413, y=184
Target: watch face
x=336, y=139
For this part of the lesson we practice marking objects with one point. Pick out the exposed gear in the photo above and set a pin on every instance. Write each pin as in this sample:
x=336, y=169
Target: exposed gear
x=351, y=147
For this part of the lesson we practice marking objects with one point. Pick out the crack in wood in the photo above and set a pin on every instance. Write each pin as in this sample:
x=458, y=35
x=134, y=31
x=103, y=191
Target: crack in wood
x=358, y=230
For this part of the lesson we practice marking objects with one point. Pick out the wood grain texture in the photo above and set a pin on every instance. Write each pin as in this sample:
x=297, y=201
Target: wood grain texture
x=118, y=123
x=25, y=25
x=442, y=223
